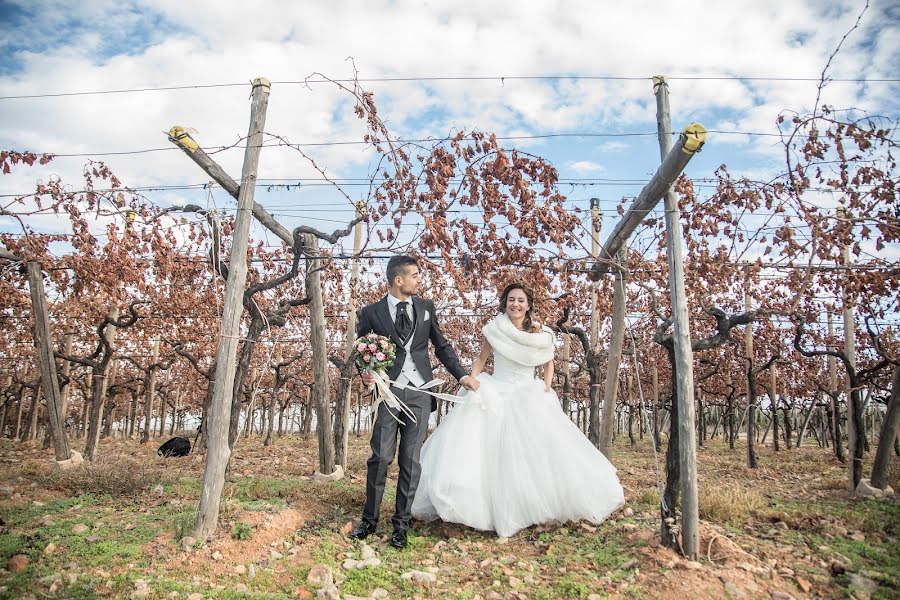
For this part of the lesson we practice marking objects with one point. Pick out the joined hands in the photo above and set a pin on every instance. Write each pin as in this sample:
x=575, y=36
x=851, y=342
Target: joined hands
x=470, y=383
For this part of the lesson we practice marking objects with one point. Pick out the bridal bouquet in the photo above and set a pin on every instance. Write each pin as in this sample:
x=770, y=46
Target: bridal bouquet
x=375, y=354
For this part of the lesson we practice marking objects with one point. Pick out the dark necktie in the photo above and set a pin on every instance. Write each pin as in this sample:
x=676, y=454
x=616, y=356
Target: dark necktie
x=402, y=323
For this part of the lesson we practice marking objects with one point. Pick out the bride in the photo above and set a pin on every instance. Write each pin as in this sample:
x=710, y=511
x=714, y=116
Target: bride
x=508, y=457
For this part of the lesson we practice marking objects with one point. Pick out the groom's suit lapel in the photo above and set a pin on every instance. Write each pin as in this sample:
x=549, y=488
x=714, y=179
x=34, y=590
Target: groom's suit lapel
x=419, y=306
x=383, y=313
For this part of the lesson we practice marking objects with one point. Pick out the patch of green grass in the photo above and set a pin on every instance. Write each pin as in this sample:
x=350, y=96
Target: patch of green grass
x=186, y=486
x=361, y=582
x=568, y=586
x=242, y=531
x=880, y=562
x=247, y=489
x=183, y=524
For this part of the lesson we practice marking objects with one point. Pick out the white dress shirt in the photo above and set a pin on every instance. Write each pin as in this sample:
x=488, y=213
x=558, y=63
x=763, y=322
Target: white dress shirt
x=409, y=373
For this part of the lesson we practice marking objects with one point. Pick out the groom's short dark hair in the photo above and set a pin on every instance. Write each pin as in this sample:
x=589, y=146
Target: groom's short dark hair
x=397, y=265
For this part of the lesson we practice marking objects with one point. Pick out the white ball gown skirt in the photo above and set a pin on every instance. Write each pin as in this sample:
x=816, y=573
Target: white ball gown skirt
x=509, y=458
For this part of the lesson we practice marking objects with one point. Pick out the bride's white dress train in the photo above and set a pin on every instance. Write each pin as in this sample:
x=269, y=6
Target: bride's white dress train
x=508, y=458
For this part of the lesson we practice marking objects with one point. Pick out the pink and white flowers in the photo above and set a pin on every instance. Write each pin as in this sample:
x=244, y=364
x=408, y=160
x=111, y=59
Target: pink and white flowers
x=374, y=353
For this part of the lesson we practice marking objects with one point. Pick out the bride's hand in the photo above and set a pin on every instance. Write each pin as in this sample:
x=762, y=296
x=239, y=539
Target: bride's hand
x=470, y=383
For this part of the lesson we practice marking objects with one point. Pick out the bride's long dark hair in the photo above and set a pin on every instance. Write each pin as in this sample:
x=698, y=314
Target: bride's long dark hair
x=527, y=324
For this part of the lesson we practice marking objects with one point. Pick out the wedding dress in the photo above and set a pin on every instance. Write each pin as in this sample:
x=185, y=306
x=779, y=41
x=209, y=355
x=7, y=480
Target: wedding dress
x=507, y=457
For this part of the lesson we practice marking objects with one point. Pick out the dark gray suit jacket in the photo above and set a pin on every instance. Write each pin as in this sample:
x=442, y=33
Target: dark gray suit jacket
x=376, y=318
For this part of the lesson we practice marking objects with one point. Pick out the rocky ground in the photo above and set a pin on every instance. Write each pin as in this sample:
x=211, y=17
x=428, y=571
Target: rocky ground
x=121, y=528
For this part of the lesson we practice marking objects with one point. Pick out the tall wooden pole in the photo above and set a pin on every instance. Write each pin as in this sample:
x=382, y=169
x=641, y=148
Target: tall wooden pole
x=566, y=374
x=684, y=354
x=319, y=346
x=881, y=466
x=595, y=249
x=150, y=392
x=835, y=402
x=613, y=360
x=773, y=398
x=342, y=422
x=218, y=452
x=855, y=433
x=66, y=388
x=656, y=407
x=46, y=361
x=99, y=383
x=751, y=389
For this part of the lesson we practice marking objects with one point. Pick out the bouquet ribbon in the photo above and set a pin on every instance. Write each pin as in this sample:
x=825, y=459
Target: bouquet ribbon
x=383, y=393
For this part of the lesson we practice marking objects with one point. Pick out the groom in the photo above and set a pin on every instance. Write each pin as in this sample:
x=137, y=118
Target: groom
x=410, y=322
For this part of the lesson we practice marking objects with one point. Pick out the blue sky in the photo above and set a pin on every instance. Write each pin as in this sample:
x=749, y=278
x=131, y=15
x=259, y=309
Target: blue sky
x=57, y=47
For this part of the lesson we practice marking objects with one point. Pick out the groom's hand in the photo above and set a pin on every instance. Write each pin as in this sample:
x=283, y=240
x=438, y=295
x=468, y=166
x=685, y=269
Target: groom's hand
x=367, y=378
x=470, y=383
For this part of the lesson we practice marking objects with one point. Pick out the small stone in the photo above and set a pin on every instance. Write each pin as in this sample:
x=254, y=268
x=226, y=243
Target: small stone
x=320, y=575
x=628, y=512
x=80, y=528
x=502, y=540
x=240, y=588
x=781, y=596
x=514, y=582
x=781, y=525
x=589, y=528
x=329, y=592
x=629, y=526
x=350, y=563
x=594, y=597
x=858, y=537
x=240, y=569
x=785, y=572
x=368, y=563
x=861, y=586
x=866, y=489
x=217, y=555
x=38, y=503
x=275, y=555
x=419, y=577
x=380, y=593
x=366, y=551
x=335, y=476
x=692, y=565
x=732, y=591
x=50, y=579
x=50, y=549
x=195, y=596
x=627, y=565
x=251, y=571
x=74, y=460
x=158, y=490
x=188, y=542
x=804, y=584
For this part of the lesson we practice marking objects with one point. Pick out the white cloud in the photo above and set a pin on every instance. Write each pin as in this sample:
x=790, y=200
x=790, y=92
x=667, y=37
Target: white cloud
x=586, y=166
x=201, y=43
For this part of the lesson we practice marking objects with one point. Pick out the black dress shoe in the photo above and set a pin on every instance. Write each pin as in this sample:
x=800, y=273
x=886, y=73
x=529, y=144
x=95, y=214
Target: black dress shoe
x=362, y=531
x=398, y=539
